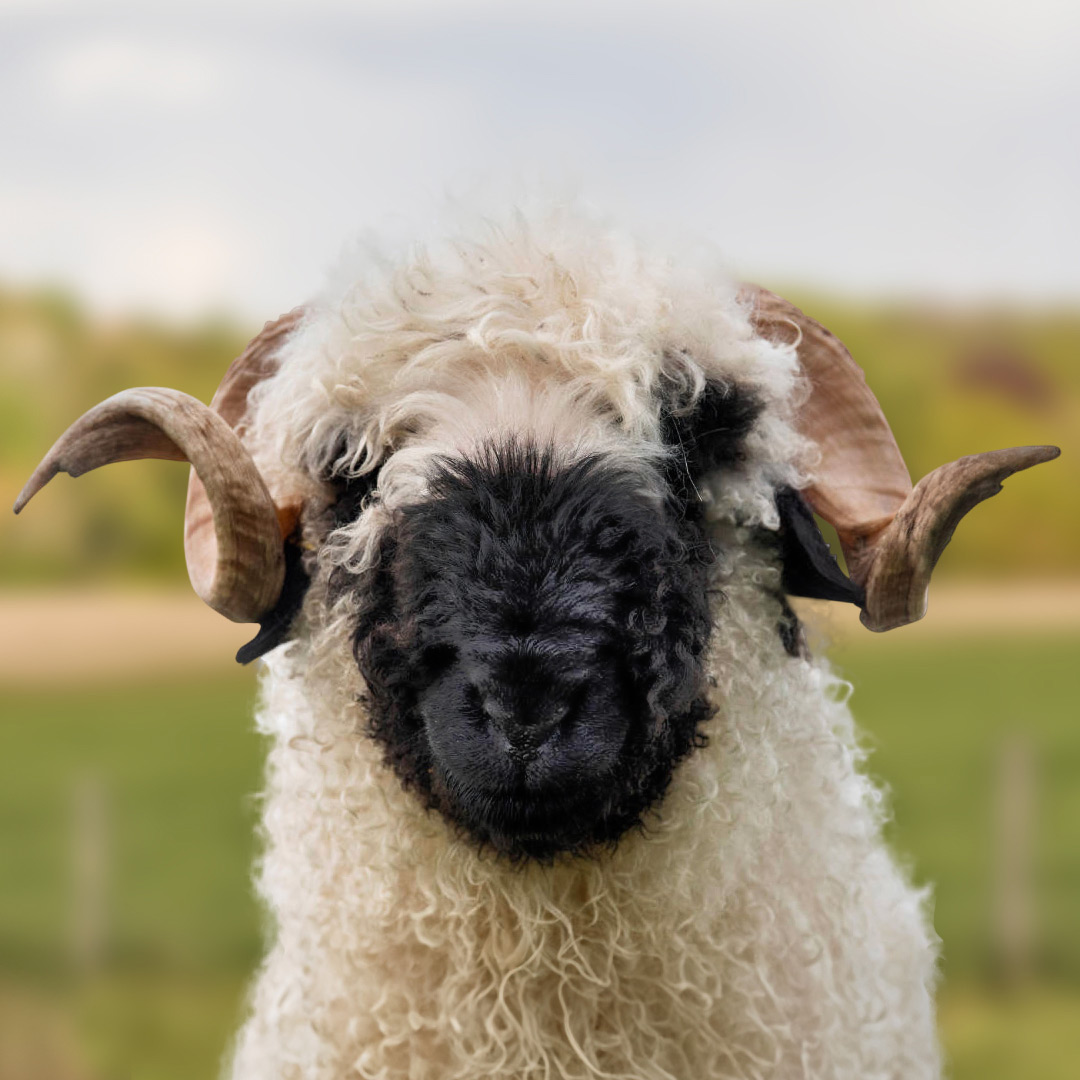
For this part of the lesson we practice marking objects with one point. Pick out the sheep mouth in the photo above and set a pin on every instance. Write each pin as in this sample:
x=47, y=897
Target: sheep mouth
x=553, y=814
x=521, y=825
x=528, y=827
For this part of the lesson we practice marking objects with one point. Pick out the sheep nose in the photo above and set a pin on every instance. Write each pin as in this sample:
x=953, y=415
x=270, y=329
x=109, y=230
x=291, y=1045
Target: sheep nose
x=527, y=717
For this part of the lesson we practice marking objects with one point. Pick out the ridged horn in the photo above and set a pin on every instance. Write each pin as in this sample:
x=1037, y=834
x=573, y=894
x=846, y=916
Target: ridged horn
x=235, y=558
x=258, y=361
x=891, y=534
x=904, y=555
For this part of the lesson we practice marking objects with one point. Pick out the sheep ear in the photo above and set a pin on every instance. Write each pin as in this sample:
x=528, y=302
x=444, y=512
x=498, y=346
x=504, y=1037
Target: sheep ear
x=275, y=626
x=809, y=567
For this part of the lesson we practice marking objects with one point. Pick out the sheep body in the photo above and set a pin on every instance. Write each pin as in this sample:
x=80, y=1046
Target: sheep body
x=756, y=926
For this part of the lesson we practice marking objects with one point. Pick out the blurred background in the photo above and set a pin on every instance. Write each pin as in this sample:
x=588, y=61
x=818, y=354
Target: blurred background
x=172, y=176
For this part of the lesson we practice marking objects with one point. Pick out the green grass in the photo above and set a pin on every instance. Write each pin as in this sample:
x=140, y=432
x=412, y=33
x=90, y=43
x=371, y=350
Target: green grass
x=156, y=1025
x=936, y=717
x=179, y=763
x=1031, y=1034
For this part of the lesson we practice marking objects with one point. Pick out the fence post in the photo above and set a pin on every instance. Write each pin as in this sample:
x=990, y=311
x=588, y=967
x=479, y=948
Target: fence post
x=89, y=872
x=1014, y=915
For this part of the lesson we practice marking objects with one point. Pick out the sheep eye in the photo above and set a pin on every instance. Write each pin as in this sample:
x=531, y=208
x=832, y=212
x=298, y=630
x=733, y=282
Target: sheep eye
x=711, y=434
x=351, y=493
x=435, y=659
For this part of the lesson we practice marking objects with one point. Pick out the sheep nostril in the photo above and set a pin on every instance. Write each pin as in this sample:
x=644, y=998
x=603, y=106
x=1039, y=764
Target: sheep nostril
x=495, y=712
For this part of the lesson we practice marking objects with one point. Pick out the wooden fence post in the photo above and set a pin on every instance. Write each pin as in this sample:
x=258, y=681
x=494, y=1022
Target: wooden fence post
x=89, y=872
x=1014, y=915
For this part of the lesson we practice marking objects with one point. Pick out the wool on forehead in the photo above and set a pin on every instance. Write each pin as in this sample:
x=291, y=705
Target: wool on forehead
x=396, y=351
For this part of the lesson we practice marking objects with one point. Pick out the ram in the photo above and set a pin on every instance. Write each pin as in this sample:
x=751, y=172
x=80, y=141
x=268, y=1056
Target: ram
x=556, y=788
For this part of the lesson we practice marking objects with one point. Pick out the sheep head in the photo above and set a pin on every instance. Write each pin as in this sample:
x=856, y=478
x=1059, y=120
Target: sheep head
x=533, y=636
x=527, y=574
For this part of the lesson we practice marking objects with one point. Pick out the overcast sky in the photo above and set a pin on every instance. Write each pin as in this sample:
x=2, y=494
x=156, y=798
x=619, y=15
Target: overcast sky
x=184, y=157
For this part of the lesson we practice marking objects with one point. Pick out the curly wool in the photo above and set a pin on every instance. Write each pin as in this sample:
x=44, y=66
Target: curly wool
x=554, y=327
x=756, y=926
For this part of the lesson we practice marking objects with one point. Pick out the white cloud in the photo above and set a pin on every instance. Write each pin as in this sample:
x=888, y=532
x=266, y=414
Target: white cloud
x=111, y=70
x=863, y=145
x=175, y=258
x=239, y=200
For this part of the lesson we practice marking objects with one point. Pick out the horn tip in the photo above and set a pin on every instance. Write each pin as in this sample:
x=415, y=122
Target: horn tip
x=41, y=476
x=1025, y=457
x=893, y=617
x=1036, y=455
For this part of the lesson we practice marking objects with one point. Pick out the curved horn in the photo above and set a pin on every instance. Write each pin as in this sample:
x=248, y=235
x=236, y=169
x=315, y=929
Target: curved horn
x=257, y=362
x=891, y=535
x=905, y=554
x=234, y=554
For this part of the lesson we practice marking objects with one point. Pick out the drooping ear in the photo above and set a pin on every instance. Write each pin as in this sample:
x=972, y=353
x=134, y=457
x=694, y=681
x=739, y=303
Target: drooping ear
x=276, y=625
x=809, y=567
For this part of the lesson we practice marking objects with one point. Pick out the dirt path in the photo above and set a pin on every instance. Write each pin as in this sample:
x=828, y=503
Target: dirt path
x=80, y=637
x=969, y=608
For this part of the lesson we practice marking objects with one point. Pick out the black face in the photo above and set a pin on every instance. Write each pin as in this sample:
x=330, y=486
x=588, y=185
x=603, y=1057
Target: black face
x=533, y=638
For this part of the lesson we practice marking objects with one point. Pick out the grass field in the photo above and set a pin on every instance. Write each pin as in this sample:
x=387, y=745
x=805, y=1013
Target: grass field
x=176, y=765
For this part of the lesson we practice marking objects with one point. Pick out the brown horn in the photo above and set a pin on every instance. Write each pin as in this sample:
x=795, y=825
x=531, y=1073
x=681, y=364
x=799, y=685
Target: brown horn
x=891, y=535
x=258, y=361
x=906, y=552
x=236, y=563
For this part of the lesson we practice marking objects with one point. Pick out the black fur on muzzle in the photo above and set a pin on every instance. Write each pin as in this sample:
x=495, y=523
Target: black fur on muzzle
x=533, y=637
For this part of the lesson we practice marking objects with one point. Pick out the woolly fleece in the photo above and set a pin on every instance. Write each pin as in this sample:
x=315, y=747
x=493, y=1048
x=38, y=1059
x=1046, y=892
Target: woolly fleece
x=757, y=927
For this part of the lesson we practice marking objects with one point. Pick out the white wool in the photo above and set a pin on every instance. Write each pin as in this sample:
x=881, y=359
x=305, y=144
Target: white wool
x=392, y=359
x=757, y=927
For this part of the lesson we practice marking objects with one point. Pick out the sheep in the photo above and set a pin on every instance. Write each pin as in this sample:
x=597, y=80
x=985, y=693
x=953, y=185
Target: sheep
x=556, y=787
